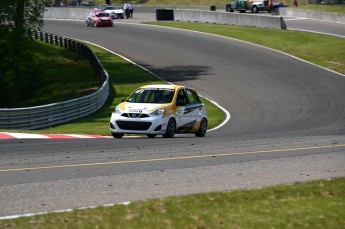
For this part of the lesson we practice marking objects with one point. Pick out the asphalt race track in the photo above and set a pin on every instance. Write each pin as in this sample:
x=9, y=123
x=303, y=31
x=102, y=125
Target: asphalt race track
x=287, y=124
x=336, y=29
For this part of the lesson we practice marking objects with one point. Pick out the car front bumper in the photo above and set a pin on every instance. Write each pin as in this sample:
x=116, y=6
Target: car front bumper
x=117, y=15
x=148, y=125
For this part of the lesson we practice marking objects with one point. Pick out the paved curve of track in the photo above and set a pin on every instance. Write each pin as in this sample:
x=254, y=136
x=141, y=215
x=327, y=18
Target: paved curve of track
x=287, y=124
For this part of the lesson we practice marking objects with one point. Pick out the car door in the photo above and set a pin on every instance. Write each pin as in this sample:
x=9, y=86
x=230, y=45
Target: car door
x=182, y=119
x=193, y=108
x=190, y=112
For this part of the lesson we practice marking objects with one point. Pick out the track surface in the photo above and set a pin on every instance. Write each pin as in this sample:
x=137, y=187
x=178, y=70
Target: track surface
x=336, y=29
x=287, y=124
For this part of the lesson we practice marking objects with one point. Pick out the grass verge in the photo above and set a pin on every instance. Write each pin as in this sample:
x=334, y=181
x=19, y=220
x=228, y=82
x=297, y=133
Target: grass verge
x=316, y=204
x=340, y=9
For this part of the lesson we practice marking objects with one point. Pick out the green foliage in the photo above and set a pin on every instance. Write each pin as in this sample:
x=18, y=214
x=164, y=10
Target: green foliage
x=66, y=75
x=22, y=15
x=18, y=70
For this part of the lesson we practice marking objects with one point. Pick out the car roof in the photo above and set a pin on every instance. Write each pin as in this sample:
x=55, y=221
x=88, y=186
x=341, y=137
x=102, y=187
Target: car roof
x=169, y=86
x=111, y=7
x=97, y=11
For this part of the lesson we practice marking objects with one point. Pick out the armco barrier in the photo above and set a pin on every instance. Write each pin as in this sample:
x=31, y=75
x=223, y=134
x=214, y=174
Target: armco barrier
x=57, y=113
x=262, y=21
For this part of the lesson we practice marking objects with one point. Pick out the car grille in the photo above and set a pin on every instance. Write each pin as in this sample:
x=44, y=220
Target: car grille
x=134, y=115
x=125, y=125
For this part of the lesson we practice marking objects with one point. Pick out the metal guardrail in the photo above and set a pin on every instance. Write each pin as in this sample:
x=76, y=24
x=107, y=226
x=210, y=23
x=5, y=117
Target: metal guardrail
x=51, y=114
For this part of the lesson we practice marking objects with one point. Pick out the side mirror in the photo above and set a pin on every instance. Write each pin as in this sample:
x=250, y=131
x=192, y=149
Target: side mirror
x=181, y=103
x=123, y=100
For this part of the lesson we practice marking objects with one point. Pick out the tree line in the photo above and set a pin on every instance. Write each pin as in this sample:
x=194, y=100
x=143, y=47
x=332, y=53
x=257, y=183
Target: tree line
x=18, y=70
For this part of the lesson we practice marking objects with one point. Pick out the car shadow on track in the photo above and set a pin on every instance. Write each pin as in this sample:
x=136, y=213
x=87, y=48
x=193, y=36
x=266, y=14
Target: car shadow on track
x=180, y=73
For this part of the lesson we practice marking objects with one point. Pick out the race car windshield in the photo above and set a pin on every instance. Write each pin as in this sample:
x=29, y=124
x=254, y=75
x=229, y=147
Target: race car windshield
x=152, y=95
x=102, y=15
x=112, y=8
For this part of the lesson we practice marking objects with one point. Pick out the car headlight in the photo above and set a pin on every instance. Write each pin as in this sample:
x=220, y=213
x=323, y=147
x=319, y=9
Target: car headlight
x=117, y=110
x=159, y=111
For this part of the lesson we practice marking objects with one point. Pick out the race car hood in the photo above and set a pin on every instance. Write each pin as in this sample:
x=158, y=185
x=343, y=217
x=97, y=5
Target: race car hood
x=140, y=107
x=119, y=11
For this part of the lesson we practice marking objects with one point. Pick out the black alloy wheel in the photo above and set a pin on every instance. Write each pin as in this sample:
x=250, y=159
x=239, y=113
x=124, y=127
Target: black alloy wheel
x=117, y=135
x=202, y=129
x=171, y=129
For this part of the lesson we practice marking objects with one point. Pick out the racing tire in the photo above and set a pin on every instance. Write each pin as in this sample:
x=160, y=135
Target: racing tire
x=117, y=135
x=202, y=129
x=87, y=23
x=171, y=129
x=255, y=9
x=228, y=9
x=151, y=135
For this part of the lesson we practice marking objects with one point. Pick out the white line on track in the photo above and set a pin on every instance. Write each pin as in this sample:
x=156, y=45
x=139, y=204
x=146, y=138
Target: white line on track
x=10, y=135
x=59, y=211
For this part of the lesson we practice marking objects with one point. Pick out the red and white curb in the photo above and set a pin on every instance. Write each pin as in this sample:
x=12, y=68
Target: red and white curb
x=8, y=135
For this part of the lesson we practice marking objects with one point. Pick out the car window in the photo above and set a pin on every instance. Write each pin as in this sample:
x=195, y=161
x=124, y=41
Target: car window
x=181, y=96
x=193, y=98
x=152, y=95
x=102, y=14
x=112, y=8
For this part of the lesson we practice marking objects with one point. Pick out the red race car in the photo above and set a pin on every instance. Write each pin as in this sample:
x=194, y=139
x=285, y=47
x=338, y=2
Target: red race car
x=98, y=18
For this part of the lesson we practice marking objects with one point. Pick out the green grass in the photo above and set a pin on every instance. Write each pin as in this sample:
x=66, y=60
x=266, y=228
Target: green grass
x=323, y=50
x=317, y=204
x=67, y=75
x=325, y=8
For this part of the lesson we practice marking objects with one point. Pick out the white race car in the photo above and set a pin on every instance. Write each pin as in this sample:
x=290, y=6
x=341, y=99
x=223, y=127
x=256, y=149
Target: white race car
x=115, y=11
x=160, y=110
